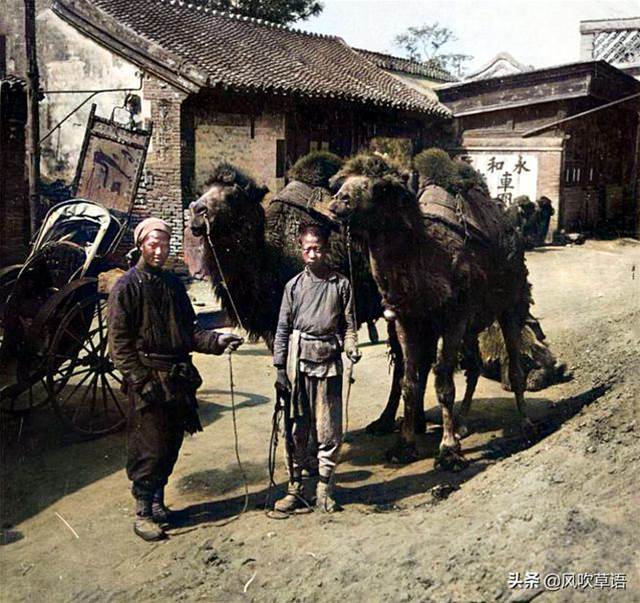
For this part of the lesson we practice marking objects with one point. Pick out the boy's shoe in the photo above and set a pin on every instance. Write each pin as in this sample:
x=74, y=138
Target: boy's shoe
x=324, y=498
x=160, y=513
x=292, y=500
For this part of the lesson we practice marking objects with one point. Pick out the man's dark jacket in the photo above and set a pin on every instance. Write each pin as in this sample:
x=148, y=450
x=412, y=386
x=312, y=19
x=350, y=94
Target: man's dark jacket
x=152, y=331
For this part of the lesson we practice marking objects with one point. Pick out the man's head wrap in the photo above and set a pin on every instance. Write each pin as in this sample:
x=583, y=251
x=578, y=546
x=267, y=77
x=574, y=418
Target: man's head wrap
x=147, y=226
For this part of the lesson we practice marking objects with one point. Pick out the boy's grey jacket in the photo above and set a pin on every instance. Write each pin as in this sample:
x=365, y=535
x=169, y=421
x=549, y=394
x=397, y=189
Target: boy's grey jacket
x=319, y=308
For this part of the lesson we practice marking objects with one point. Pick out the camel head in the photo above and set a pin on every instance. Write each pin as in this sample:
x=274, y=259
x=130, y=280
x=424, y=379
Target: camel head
x=230, y=206
x=368, y=188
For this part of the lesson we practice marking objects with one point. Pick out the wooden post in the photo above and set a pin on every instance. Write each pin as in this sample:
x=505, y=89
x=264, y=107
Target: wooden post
x=33, y=119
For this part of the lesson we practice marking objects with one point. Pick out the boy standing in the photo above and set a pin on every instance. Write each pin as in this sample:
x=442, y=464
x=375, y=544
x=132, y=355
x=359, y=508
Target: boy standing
x=316, y=323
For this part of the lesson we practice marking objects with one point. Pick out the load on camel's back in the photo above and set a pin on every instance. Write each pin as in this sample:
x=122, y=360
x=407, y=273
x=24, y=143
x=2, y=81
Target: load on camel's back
x=441, y=180
x=446, y=273
x=258, y=249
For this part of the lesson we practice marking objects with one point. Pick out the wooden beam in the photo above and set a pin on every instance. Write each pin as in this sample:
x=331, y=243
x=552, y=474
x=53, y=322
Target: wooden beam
x=33, y=112
x=553, y=124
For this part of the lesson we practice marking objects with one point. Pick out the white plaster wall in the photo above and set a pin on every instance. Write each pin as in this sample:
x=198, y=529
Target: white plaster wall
x=70, y=61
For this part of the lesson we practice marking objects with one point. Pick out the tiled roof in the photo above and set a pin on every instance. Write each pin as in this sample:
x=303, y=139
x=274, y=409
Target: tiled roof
x=213, y=48
x=391, y=63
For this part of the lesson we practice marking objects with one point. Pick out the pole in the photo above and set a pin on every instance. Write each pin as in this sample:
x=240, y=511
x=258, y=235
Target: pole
x=33, y=121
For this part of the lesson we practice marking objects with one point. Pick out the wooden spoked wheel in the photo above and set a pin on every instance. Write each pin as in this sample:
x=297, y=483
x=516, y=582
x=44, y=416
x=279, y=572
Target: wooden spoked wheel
x=83, y=384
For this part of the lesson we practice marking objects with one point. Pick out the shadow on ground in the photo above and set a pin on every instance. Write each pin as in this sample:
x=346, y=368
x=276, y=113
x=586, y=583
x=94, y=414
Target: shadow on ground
x=43, y=461
x=368, y=450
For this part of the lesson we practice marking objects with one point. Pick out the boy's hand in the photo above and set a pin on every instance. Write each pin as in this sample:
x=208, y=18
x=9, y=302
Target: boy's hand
x=353, y=354
x=283, y=384
x=229, y=341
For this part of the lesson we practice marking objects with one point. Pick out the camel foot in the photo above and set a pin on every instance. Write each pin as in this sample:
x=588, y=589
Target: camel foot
x=530, y=431
x=450, y=459
x=402, y=453
x=381, y=426
x=462, y=431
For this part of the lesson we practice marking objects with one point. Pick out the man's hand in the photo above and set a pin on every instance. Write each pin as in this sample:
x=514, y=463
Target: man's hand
x=353, y=354
x=283, y=385
x=152, y=392
x=229, y=341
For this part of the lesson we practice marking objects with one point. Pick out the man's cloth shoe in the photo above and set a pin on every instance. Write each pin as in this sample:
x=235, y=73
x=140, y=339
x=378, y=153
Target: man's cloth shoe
x=159, y=512
x=148, y=529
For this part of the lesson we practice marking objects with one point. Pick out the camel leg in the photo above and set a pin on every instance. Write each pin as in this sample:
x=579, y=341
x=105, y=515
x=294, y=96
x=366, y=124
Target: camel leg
x=430, y=345
x=413, y=353
x=449, y=457
x=511, y=332
x=386, y=422
x=473, y=363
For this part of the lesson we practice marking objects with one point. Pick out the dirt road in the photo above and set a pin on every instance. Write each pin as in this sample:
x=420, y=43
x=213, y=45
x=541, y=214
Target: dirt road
x=569, y=504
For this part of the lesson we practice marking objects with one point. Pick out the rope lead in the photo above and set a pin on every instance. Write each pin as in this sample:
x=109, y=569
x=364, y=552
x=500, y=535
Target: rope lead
x=231, y=387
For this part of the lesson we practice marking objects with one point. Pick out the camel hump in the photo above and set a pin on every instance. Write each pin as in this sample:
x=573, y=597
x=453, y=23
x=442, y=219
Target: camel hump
x=312, y=201
x=473, y=211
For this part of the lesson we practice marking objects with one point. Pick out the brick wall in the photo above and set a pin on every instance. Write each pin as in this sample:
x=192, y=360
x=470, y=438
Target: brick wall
x=231, y=137
x=161, y=192
x=549, y=185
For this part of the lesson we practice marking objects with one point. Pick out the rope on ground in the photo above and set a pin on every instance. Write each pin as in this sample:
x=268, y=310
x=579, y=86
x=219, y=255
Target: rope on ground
x=231, y=388
x=236, y=449
x=350, y=379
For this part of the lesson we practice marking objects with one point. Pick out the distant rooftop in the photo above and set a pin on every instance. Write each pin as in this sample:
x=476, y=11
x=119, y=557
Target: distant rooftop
x=502, y=64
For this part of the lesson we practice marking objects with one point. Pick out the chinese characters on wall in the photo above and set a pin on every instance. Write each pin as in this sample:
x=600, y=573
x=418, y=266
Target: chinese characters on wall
x=508, y=175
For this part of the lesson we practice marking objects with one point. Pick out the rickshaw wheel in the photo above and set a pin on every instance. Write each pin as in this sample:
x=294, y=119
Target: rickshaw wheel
x=8, y=280
x=83, y=383
x=21, y=398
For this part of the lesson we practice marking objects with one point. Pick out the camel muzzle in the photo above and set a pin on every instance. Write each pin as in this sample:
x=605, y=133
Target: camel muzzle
x=340, y=209
x=198, y=216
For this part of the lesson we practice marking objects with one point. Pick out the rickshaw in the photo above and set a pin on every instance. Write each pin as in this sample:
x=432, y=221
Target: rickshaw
x=54, y=341
x=53, y=308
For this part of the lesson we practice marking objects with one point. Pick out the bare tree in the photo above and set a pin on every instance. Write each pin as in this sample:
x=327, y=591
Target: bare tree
x=424, y=44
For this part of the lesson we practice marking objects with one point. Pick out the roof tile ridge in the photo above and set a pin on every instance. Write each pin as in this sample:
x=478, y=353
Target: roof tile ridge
x=413, y=98
x=239, y=17
x=418, y=64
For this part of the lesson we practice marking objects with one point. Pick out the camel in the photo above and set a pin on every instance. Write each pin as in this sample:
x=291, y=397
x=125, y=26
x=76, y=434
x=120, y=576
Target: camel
x=439, y=282
x=259, y=253
x=258, y=249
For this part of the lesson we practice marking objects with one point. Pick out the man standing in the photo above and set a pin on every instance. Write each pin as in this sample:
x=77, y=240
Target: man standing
x=544, y=212
x=316, y=323
x=152, y=332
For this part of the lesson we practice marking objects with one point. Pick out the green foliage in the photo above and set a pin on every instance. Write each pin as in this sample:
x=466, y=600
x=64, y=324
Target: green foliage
x=275, y=11
x=396, y=150
x=316, y=168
